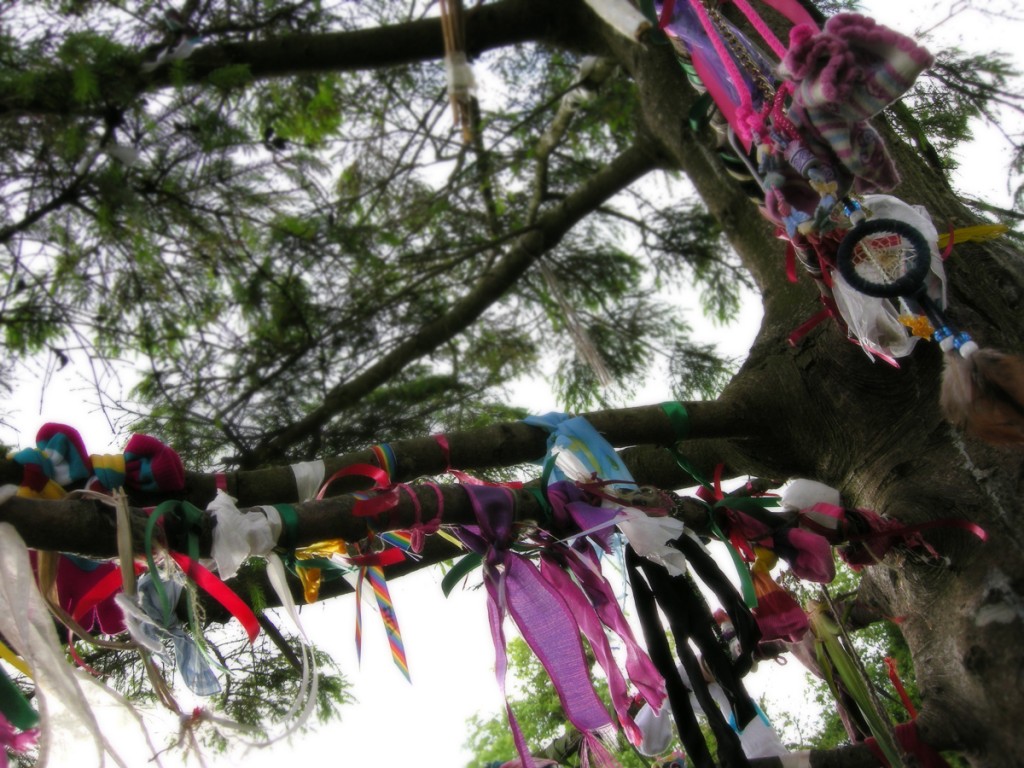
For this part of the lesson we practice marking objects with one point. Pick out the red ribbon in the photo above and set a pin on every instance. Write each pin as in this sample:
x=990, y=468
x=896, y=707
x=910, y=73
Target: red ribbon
x=910, y=743
x=383, y=558
x=947, y=522
x=220, y=592
x=461, y=476
x=830, y=310
x=387, y=499
x=420, y=530
x=667, y=10
x=101, y=590
x=948, y=250
x=791, y=262
x=894, y=678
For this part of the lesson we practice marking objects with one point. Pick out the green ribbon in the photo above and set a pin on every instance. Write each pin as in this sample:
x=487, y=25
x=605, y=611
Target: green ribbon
x=678, y=417
x=15, y=706
x=192, y=519
x=752, y=505
x=746, y=582
x=289, y=526
x=460, y=569
x=700, y=112
x=680, y=421
x=158, y=584
x=657, y=36
x=542, y=499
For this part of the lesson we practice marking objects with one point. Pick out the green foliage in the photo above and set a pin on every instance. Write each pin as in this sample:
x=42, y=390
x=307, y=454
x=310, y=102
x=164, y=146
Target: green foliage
x=231, y=77
x=698, y=372
x=264, y=684
x=957, y=89
x=277, y=238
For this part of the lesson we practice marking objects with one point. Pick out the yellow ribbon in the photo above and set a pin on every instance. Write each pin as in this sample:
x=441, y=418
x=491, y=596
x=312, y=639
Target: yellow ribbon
x=976, y=234
x=14, y=660
x=312, y=577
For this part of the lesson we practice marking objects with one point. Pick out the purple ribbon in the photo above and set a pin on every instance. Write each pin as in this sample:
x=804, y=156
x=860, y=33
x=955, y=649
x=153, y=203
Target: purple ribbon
x=571, y=512
x=551, y=609
x=516, y=588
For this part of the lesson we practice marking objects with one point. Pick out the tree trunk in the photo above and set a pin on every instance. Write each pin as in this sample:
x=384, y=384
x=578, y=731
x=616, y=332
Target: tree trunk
x=874, y=432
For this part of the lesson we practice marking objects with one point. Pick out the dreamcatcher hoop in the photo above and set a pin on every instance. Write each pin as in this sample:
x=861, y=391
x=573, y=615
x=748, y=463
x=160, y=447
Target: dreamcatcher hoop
x=885, y=258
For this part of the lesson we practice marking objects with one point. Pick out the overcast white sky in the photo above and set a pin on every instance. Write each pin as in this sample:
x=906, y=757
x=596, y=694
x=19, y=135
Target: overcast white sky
x=447, y=640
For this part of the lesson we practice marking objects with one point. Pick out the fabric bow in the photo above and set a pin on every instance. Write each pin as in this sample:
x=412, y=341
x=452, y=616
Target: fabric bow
x=149, y=628
x=147, y=464
x=516, y=588
x=577, y=452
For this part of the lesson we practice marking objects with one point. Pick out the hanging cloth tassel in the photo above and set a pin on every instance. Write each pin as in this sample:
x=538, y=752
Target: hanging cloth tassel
x=25, y=622
x=516, y=588
x=778, y=614
x=745, y=627
x=983, y=393
x=650, y=593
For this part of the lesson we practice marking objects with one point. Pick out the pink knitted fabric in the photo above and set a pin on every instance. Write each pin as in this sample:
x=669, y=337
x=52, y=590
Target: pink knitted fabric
x=854, y=66
x=843, y=75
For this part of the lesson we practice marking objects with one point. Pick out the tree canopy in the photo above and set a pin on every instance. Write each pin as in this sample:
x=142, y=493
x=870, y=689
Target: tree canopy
x=263, y=216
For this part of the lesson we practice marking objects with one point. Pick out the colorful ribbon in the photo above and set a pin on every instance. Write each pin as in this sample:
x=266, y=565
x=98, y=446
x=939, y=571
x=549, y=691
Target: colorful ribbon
x=546, y=621
x=778, y=614
x=374, y=574
x=191, y=517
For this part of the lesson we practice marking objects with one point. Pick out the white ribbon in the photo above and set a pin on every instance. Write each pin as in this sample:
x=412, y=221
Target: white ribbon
x=802, y=494
x=461, y=81
x=622, y=16
x=27, y=625
x=800, y=759
x=238, y=536
x=309, y=477
x=649, y=536
x=757, y=740
x=179, y=52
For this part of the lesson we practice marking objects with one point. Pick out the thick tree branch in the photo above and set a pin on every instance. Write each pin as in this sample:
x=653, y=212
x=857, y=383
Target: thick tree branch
x=87, y=527
x=490, y=26
x=711, y=423
x=551, y=227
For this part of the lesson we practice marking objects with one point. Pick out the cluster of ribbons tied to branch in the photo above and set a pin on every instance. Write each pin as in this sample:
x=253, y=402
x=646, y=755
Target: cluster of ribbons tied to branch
x=548, y=553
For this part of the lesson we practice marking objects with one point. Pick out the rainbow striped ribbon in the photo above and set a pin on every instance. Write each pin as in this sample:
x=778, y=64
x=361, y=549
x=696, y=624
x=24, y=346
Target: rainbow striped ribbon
x=400, y=539
x=375, y=575
x=385, y=456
